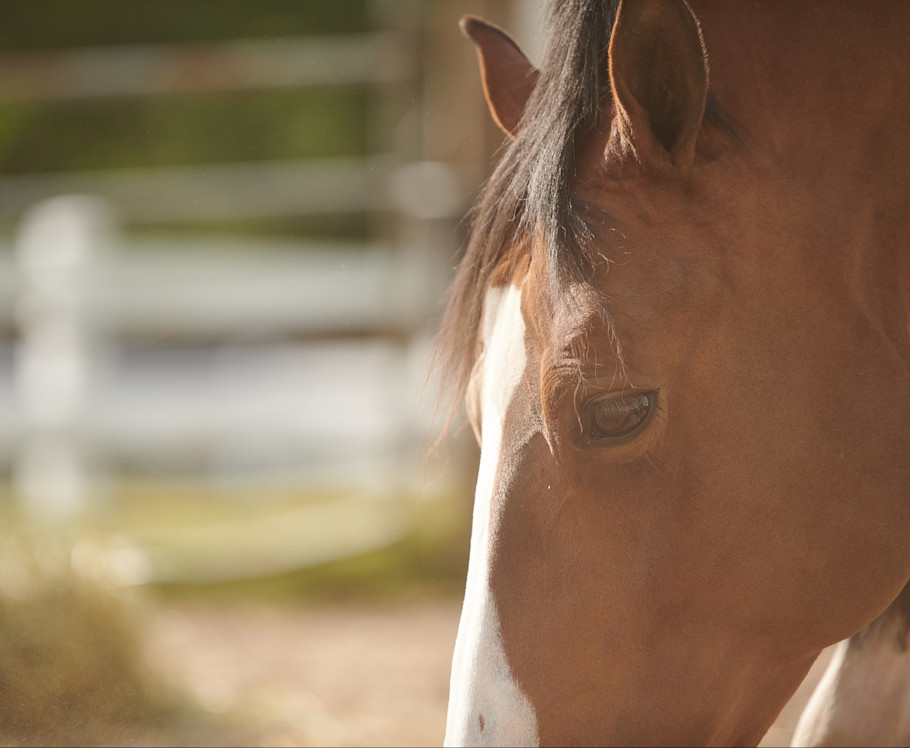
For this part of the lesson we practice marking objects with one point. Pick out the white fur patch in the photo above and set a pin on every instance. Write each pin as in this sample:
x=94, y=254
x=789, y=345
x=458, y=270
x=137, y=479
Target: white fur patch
x=486, y=706
x=864, y=696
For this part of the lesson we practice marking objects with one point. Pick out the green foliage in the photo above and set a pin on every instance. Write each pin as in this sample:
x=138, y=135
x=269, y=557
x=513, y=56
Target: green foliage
x=192, y=531
x=61, y=136
x=431, y=560
x=50, y=24
x=115, y=133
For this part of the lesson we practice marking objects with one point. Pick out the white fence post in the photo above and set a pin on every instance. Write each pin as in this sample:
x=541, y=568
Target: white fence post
x=55, y=249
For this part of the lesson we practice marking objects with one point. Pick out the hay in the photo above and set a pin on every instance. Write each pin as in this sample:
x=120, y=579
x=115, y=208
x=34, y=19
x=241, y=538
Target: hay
x=72, y=670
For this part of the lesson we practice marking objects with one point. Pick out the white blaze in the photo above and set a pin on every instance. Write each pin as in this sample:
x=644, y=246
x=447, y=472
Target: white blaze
x=486, y=706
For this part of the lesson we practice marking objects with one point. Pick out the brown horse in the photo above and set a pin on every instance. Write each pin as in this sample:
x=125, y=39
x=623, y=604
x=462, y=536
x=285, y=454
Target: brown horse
x=681, y=327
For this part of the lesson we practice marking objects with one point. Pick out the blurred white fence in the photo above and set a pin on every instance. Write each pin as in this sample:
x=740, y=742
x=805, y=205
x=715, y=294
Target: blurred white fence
x=230, y=361
x=239, y=65
x=252, y=362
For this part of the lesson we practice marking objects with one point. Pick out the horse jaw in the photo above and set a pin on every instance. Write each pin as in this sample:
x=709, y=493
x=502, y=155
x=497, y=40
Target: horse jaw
x=486, y=705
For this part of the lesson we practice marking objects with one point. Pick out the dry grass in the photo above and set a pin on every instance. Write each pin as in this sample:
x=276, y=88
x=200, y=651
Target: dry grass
x=72, y=664
x=75, y=640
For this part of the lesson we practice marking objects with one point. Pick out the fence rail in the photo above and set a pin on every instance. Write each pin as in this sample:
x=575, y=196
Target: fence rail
x=230, y=360
x=215, y=192
x=141, y=70
x=192, y=289
x=221, y=359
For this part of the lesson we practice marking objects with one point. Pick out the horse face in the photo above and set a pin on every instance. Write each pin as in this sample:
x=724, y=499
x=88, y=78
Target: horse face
x=676, y=506
x=663, y=543
x=667, y=532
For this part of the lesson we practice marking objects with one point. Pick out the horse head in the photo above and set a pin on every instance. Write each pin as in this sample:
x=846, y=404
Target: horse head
x=689, y=401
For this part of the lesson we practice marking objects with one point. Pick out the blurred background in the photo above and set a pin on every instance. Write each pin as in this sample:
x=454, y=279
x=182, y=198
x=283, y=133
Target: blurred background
x=226, y=228
x=225, y=231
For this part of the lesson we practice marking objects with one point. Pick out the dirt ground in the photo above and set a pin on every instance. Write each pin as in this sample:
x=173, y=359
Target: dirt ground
x=337, y=675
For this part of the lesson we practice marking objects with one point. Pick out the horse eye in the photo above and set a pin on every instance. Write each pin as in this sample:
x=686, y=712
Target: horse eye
x=618, y=417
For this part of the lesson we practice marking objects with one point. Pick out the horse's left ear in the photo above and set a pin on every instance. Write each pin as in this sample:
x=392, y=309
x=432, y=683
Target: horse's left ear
x=508, y=76
x=659, y=75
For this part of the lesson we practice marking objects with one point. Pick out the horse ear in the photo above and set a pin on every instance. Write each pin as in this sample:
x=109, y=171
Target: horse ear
x=659, y=74
x=508, y=76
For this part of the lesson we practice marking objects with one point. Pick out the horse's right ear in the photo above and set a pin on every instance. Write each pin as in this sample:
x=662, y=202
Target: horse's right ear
x=659, y=75
x=508, y=76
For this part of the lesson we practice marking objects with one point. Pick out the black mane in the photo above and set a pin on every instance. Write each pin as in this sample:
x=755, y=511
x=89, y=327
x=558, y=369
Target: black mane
x=530, y=187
